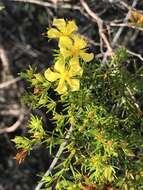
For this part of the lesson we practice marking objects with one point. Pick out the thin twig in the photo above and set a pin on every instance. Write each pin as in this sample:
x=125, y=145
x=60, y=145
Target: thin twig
x=13, y=112
x=4, y=60
x=99, y=22
x=135, y=54
x=54, y=162
x=14, y=126
x=140, y=112
x=8, y=83
x=47, y=4
x=37, y=2
x=126, y=25
x=120, y=30
x=92, y=42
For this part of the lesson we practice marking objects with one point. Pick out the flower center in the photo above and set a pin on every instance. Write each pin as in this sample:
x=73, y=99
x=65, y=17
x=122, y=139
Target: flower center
x=65, y=75
x=75, y=52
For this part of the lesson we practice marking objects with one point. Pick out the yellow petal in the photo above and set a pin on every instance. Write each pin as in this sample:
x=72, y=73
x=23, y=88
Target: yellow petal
x=61, y=89
x=60, y=66
x=53, y=33
x=51, y=76
x=65, y=52
x=59, y=23
x=71, y=27
x=79, y=43
x=65, y=42
x=74, y=84
x=75, y=68
x=86, y=56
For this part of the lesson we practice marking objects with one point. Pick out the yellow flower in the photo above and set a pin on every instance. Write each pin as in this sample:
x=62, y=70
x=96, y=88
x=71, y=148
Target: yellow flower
x=74, y=48
x=62, y=28
x=75, y=66
x=65, y=76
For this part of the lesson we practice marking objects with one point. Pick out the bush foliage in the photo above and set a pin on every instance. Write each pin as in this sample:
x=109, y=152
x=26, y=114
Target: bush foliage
x=94, y=114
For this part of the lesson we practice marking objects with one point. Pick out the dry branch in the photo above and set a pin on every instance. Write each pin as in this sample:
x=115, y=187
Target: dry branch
x=47, y=4
x=14, y=126
x=100, y=23
x=120, y=30
x=54, y=162
x=8, y=83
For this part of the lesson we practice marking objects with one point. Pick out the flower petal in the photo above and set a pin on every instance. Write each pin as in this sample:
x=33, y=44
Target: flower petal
x=53, y=33
x=61, y=89
x=65, y=42
x=51, y=76
x=79, y=42
x=65, y=52
x=60, y=66
x=71, y=27
x=74, y=84
x=59, y=23
x=75, y=68
x=86, y=56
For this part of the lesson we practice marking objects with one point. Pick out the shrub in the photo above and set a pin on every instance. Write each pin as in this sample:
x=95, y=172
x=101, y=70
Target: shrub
x=95, y=117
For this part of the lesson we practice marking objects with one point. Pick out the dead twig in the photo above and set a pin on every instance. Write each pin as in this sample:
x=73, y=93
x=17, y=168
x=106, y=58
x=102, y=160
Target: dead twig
x=4, y=60
x=140, y=112
x=8, y=83
x=37, y=2
x=135, y=54
x=50, y=5
x=120, y=30
x=100, y=23
x=13, y=112
x=14, y=126
x=54, y=162
x=92, y=42
x=126, y=25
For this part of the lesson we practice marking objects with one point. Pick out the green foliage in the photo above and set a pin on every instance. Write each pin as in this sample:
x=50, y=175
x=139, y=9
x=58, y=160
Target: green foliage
x=35, y=128
x=23, y=143
x=105, y=146
x=36, y=133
